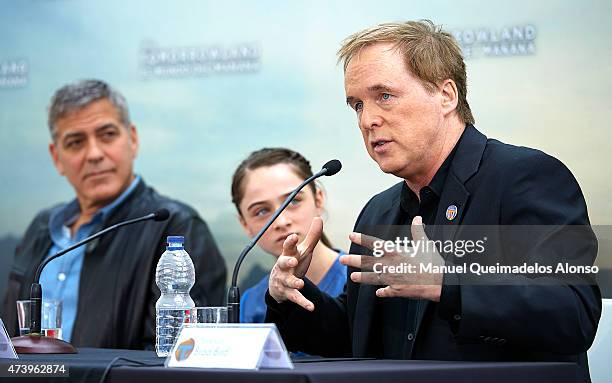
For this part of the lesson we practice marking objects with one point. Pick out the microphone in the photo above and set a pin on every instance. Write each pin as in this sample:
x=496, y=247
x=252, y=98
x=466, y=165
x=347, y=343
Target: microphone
x=36, y=289
x=332, y=167
x=233, y=296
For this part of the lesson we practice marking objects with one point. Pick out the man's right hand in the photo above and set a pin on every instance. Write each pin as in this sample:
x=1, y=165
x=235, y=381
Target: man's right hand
x=292, y=265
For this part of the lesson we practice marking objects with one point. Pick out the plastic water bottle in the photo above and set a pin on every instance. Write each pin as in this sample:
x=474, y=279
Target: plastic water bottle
x=175, y=276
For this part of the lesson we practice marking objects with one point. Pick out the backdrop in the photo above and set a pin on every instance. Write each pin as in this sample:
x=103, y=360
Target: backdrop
x=208, y=82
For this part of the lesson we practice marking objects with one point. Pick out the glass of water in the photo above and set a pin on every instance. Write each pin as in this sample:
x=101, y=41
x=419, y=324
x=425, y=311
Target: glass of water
x=50, y=320
x=209, y=314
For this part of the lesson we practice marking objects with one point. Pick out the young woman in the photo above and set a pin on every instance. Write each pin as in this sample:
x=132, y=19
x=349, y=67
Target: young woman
x=259, y=186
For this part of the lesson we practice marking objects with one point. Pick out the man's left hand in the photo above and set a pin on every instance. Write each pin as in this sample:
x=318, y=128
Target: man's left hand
x=415, y=284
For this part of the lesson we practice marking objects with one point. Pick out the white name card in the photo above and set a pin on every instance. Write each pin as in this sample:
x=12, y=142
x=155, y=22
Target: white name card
x=6, y=346
x=245, y=346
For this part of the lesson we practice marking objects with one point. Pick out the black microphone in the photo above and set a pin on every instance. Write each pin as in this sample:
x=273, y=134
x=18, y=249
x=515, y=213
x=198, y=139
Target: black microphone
x=233, y=296
x=332, y=167
x=36, y=289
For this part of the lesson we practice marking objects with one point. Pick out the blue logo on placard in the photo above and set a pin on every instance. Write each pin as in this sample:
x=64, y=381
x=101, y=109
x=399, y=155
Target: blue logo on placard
x=184, y=350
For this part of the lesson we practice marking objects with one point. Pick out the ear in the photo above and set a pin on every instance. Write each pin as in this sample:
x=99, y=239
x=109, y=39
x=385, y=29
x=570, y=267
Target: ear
x=245, y=227
x=319, y=200
x=133, y=140
x=450, y=96
x=53, y=150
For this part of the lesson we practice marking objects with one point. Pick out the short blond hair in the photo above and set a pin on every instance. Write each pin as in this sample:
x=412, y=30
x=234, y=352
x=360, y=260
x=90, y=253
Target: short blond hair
x=430, y=54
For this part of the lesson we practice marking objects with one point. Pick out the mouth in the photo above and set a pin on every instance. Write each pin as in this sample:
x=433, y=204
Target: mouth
x=100, y=173
x=281, y=239
x=380, y=145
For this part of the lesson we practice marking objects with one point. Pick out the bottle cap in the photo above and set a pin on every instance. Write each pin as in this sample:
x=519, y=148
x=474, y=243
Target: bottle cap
x=176, y=239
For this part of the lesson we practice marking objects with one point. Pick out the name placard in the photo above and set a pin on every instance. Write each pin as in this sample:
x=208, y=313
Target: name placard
x=6, y=346
x=245, y=346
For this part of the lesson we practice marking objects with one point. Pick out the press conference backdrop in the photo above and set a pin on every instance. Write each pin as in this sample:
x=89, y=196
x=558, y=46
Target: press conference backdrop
x=208, y=82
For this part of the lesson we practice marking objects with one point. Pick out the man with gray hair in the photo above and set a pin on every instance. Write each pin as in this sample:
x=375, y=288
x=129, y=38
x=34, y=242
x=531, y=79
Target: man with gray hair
x=108, y=287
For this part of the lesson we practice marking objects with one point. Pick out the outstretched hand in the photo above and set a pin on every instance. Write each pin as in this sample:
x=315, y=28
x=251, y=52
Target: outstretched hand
x=291, y=266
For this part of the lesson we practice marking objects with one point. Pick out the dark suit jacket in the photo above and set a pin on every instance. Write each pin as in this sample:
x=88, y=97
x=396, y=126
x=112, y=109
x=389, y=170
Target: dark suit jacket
x=117, y=290
x=491, y=183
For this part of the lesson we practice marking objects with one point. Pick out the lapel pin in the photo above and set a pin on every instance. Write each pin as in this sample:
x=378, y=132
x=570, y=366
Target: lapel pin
x=451, y=212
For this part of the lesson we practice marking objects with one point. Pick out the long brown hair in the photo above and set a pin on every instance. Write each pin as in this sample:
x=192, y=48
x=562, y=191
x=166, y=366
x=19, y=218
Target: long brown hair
x=269, y=157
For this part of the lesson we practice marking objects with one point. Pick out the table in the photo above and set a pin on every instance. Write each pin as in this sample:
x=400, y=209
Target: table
x=89, y=365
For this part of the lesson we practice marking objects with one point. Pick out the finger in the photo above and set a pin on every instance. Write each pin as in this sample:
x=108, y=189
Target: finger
x=352, y=260
x=363, y=240
x=290, y=246
x=408, y=291
x=385, y=292
x=367, y=263
x=313, y=236
x=293, y=283
x=417, y=229
x=381, y=279
x=368, y=278
x=297, y=298
x=391, y=291
x=286, y=262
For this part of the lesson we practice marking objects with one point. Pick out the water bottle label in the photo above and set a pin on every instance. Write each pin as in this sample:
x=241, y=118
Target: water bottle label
x=168, y=325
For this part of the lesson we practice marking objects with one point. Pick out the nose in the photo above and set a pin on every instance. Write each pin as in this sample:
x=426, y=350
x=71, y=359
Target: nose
x=369, y=118
x=94, y=151
x=283, y=221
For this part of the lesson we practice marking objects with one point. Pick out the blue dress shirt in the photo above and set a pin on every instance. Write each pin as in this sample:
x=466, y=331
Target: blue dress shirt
x=61, y=277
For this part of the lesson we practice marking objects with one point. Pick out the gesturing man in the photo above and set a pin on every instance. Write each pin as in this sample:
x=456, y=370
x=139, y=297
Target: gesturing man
x=407, y=84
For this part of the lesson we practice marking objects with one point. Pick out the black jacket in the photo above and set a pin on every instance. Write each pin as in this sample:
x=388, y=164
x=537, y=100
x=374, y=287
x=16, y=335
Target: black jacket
x=117, y=291
x=491, y=183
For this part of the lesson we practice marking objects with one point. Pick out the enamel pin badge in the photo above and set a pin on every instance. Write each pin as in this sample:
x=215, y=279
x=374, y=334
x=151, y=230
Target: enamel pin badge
x=451, y=212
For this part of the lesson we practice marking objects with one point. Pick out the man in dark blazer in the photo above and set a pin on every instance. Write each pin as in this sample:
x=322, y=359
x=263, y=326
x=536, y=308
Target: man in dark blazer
x=407, y=85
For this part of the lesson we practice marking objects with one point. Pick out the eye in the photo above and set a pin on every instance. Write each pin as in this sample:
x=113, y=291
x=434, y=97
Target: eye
x=385, y=96
x=261, y=212
x=358, y=106
x=109, y=135
x=295, y=202
x=74, y=144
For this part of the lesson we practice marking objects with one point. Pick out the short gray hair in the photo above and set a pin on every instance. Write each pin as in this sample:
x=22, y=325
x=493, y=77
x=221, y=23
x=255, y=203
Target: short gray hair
x=79, y=94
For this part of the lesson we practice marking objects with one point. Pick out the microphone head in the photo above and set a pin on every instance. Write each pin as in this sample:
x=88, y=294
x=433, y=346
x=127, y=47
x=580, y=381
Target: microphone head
x=161, y=215
x=332, y=167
